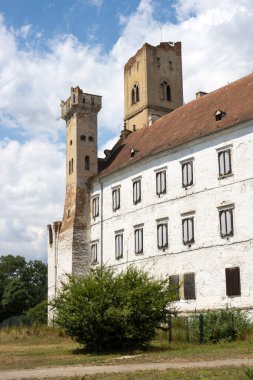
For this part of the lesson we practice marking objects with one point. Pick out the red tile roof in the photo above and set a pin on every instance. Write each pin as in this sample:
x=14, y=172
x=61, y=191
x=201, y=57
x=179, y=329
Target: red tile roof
x=187, y=123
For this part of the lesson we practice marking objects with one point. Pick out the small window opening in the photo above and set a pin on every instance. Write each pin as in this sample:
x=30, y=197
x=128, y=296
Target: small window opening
x=134, y=127
x=87, y=163
x=91, y=138
x=83, y=137
x=132, y=152
x=68, y=215
x=170, y=65
x=165, y=91
x=135, y=94
x=158, y=61
x=92, y=101
x=74, y=98
x=83, y=99
x=70, y=143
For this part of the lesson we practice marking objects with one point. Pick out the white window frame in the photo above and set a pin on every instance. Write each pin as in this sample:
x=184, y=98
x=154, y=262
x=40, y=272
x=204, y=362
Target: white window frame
x=136, y=191
x=119, y=245
x=188, y=230
x=138, y=240
x=225, y=161
x=187, y=173
x=94, y=252
x=162, y=235
x=116, y=198
x=226, y=219
x=161, y=182
x=95, y=206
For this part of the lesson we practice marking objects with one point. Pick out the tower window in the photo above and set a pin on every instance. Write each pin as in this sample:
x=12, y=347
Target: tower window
x=91, y=138
x=165, y=91
x=170, y=65
x=135, y=94
x=83, y=137
x=71, y=166
x=87, y=163
x=70, y=143
x=158, y=61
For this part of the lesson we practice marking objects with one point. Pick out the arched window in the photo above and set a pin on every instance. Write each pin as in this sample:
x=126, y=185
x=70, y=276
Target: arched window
x=165, y=91
x=135, y=94
x=87, y=163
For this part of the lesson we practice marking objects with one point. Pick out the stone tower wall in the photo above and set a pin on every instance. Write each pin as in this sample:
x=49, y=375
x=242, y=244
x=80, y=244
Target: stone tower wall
x=151, y=66
x=69, y=243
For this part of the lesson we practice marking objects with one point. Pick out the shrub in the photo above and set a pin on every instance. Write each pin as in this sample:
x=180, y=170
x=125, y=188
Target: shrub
x=38, y=313
x=105, y=310
x=226, y=325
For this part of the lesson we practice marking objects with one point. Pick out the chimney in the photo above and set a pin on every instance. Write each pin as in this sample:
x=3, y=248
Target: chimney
x=199, y=94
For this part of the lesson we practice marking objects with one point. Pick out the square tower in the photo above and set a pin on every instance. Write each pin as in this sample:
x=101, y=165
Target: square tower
x=153, y=84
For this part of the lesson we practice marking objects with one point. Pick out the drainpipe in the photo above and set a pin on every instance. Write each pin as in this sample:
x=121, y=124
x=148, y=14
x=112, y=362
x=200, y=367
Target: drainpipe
x=101, y=223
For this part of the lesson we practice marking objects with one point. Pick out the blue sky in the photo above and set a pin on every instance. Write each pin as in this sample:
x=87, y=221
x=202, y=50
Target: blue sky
x=48, y=46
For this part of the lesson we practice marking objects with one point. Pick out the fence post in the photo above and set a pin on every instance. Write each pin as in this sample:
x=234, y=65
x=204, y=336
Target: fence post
x=170, y=328
x=201, y=328
x=187, y=330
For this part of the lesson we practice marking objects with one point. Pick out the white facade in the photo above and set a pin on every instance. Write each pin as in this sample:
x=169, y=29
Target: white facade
x=209, y=254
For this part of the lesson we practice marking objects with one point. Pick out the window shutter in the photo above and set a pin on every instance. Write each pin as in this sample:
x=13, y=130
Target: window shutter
x=190, y=230
x=184, y=169
x=233, y=283
x=221, y=163
x=189, y=286
x=189, y=172
x=229, y=222
x=174, y=283
x=223, y=223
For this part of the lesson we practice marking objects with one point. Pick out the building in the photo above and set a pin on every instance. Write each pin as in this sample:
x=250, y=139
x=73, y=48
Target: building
x=175, y=194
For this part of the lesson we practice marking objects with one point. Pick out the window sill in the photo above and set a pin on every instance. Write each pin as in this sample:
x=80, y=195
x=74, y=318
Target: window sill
x=225, y=176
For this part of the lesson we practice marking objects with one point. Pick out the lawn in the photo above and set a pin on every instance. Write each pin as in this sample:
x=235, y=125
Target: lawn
x=41, y=347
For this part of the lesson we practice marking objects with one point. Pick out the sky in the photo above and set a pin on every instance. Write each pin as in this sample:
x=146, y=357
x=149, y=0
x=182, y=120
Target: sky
x=48, y=46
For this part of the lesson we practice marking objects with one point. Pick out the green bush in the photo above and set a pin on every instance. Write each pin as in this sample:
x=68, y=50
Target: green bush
x=226, y=325
x=38, y=313
x=105, y=310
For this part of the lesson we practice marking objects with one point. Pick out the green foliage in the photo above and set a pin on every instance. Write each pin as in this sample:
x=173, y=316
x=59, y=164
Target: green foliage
x=226, y=325
x=22, y=285
x=249, y=373
x=38, y=313
x=105, y=310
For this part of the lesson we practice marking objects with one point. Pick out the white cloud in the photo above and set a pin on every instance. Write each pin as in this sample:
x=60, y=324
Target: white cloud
x=32, y=188
x=217, y=48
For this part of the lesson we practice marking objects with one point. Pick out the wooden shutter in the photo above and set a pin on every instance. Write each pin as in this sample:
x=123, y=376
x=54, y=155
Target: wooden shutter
x=233, y=283
x=174, y=283
x=189, y=286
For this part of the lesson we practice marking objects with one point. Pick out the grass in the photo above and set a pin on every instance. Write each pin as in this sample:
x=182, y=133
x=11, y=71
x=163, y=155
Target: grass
x=42, y=346
x=227, y=373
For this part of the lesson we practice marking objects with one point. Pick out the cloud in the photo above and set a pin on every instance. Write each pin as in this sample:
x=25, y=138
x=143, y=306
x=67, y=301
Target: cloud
x=31, y=182
x=216, y=48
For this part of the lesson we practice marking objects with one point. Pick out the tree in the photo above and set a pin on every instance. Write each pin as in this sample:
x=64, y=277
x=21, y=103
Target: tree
x=105, y=310
x=22, y=285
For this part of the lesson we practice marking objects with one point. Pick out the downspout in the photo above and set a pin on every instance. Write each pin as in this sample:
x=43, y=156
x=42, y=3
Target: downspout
x=101, y=223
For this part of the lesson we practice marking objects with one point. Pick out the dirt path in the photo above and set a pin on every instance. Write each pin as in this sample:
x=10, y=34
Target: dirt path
x=45, y=373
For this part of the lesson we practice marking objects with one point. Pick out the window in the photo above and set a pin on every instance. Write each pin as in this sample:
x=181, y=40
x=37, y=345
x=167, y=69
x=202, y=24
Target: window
x=95, y=207
x=138, y=240
x=71, y=166
x=91, y=138
x=119, y=245
x=162, y=235
x=174, y=284
x=83, y=137
x=161, y=182
x=116, y=199
x=165, y=91
x=94, y=253
x=189, y=286
x=233, y=283
x=224, y=158
x=87, y=163
x=187, y=174
x=226, y=222
x=188, y=230
x=158, y=61
x=219, y=115
x=135, y=94
x=137, y=191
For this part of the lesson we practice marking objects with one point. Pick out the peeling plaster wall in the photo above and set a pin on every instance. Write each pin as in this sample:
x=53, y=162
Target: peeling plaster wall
x=210, y=254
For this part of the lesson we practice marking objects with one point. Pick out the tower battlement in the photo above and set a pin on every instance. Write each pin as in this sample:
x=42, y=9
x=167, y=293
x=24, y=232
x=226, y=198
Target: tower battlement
x=80, y=101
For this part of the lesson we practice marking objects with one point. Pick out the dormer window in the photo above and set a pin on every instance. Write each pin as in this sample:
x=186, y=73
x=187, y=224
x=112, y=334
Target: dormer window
x=219, y=115
x=132, y=152
x=135, y=94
